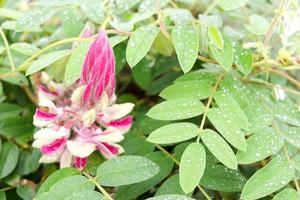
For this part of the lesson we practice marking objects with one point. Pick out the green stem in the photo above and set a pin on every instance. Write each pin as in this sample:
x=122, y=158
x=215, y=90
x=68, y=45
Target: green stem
x=11, y=61
x=211, y=7
x=102, y=190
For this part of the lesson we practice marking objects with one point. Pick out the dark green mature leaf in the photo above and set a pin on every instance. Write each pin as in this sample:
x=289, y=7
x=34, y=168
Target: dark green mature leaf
x=191, y=168
x=288, y=193
x=139, y=43
x=188, y=89
x=218, y=177
x=142, y=74
x=170, y=186
x=135, y=144
x=18, y=79
x=126, y=170
x=223, y=56
x=46, y=60
x=75, y=63
x=8, y=158
x=242, y=59
x=227, y=127
x=260, y=145
x=2, y=195
x=26, y=192
x=34, y=18
x=268, y=179
x=66, y=187
x=28, y=162
x=56, y=177
x=186, y=42
x=219, y=148
x=8, y=110
x=176, y=109
x=174, y=133
x=173, y=197
x=215, y=37
x=16, y=126
x=227, y=103
x=165, y=167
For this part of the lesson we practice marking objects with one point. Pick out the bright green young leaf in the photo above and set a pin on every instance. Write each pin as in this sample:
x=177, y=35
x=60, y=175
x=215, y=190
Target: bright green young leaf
x=186, y=42
x=227, y=103
x=171, y=197
x=117, y=39
x=163, y=45
x=66, y=187
x=34, y=18
x=139, y=43
x=10, y=13
x=191, y=167
x=223, y=122
x=72, y=22
x=46, y=60
x=76, y=60
x=198, y=75
x=24, y=48
x=287, y=112
x=215, y=37
x=292, y=136
x=221, y=178
x=132, y=191
x=56, y=177
x=219, y=148
x=170, y=186
x=8, y=110
x=232, y=4
x=287, y=194
x=223, y=56
x=176, y=109
x=260, y=145
x=268, y=179
x=174, y=133
x=8, y=158
x=180, y=16
x=126, y=170
x=242, y=59
x=188, y=89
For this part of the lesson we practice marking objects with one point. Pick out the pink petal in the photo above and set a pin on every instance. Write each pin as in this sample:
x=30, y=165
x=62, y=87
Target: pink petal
x=41, y=114
x=124, y=123
x=110, y=150
x=45, y=91
x=54, y=146
x=80, y=163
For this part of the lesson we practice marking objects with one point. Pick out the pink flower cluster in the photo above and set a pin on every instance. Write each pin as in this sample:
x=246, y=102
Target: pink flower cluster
x=75, y=121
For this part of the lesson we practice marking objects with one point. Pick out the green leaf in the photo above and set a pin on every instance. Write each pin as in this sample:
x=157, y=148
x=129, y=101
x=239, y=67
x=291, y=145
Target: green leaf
x=185, y=39
x=163, y=45
x=260, y=145
x=34, y=18
x=28, y=162
x=139, y=43
x=171, y=197
x=24, y=48
x=8, y=110
x=258, y=25
x=46, y=60
x=16, y=126
x=18, y=79
x=115, y=40
x=268, y=179
x=232, y=4
x=174, y=133
x=223, y=56
x=26, y=192
x=56, y=177
x=287, y=194
x=221, y=178
x=126, y=170
x=93, y=11
x=170, y=186
x=72, y=22
x=227, y=127
x=86, y=195
x=188, y=89
x=287, y=112
x=75, y=63
x=191, y=167
x=219, y=148
x=142, y=74
x=227, y=103
x=132, y=191
x=8, y=158
x=292, y=136
x=2, y=195
x=66, y=187
x=198, y=75
x=176, y=109
x=215, y=37
x=10, y=13
x=243, y=59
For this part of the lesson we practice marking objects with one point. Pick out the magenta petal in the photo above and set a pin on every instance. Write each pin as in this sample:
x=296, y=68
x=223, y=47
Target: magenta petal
x=125, y=122
x=112, y=149
x=41, y=114
x=54, y=146
x=43, y=89
x=80, y=163
x=87, y=94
